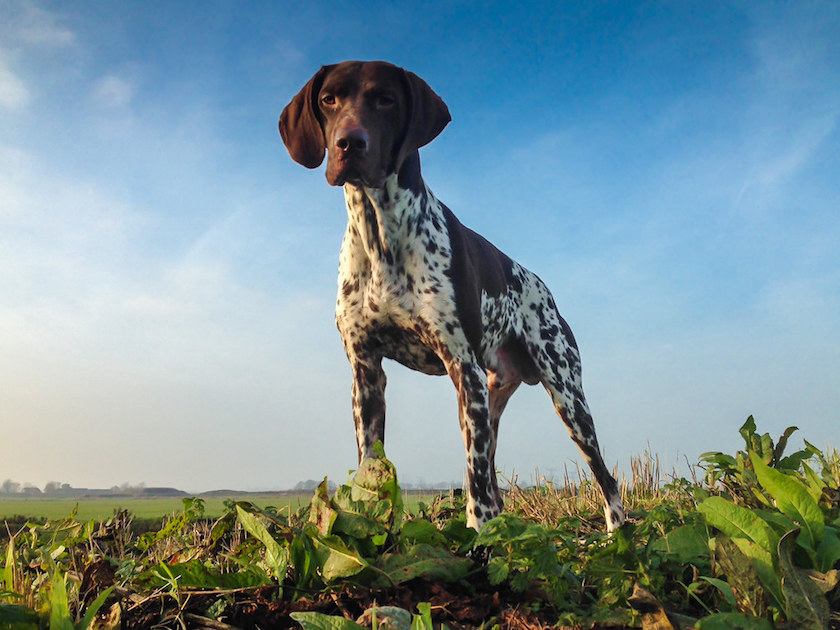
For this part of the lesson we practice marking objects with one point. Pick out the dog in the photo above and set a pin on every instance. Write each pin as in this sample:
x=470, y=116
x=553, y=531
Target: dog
x=417, y=287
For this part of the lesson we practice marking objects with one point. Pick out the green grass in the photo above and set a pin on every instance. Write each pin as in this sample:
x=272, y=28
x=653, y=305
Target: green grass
x=101, y=509
x=104, y=508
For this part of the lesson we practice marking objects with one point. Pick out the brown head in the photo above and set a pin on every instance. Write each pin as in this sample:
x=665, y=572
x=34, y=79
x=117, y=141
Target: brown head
x=367, y=116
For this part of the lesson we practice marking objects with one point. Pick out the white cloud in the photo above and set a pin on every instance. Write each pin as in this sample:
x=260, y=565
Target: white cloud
x=13, y=92
x=32, y=26
x=113, y=92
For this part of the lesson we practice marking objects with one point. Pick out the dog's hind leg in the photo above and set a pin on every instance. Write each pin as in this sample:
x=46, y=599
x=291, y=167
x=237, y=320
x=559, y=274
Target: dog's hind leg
x=498, y=397
x=557, y=360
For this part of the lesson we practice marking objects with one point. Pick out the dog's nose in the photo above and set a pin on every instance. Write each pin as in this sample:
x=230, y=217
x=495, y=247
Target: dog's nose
x=353, y=140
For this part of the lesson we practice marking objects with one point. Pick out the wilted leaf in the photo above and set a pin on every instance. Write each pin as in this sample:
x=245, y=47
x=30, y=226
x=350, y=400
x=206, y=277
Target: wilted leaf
x=386, y=618
x=742, y=576
x=321, y=511
x=376, y=481
x=781, y=444
x=826, y=582
x=807, y=608
x=653, y=614
x=747, y=430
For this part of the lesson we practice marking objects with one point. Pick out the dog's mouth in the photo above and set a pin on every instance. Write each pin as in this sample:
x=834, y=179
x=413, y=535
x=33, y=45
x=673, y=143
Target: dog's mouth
x=343, y=170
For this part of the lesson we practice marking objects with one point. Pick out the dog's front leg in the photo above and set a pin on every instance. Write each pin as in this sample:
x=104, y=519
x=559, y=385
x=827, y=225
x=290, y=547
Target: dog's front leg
x=368, y=403
x=483, y=498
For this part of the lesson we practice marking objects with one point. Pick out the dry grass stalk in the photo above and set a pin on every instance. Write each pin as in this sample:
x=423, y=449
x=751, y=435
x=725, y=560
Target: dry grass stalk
x=549, y=501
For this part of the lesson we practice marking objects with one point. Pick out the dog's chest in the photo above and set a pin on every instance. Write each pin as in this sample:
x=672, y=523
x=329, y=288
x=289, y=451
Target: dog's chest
x=394, y=289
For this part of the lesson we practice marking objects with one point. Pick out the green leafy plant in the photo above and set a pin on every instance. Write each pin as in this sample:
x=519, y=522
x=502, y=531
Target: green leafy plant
x=754, y=544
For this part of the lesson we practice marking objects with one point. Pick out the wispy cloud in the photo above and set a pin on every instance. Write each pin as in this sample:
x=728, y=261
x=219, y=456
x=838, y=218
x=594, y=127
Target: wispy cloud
x=13, y=92
x=113, y=92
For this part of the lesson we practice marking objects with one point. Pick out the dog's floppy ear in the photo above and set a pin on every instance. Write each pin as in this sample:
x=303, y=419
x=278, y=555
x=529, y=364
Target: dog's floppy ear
x=300, y=127
x=427, y=116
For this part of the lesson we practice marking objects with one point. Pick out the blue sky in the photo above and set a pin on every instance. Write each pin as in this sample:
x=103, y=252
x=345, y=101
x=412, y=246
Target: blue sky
x=167, y=273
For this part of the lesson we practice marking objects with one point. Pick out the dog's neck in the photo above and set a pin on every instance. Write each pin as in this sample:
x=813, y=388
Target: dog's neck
x=382, y=217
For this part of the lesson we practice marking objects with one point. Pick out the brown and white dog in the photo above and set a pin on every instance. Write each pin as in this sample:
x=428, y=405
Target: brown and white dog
x=416, y=286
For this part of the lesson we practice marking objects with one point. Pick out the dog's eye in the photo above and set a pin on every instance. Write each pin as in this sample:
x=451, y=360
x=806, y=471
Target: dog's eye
x=328, y=99
x=385, y=100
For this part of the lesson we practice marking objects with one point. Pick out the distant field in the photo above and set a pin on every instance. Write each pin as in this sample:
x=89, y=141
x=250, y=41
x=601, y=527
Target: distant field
x=102, y=509
x=154, y=508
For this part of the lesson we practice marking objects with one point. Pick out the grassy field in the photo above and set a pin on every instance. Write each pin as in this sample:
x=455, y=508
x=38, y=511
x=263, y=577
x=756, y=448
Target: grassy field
x=751, y=541
x=101, y=509
x=104, y=508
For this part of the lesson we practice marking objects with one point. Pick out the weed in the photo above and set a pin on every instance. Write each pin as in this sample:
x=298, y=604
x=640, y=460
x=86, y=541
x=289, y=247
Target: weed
x=753, y=544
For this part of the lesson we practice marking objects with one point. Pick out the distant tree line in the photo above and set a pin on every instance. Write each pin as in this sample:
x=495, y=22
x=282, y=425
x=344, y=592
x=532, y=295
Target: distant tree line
x=11, y=488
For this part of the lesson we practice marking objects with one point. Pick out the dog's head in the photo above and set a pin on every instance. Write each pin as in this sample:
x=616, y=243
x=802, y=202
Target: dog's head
x=368, y=117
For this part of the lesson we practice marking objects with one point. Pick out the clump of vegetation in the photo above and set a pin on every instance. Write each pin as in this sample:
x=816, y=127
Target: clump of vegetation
x=754, y=544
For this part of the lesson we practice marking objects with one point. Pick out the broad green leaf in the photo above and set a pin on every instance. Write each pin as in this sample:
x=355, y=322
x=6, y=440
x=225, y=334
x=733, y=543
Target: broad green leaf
x=497, y=570
x=60, y=618
x=335, y=559
x=685, y=543
x=276, y=557
x=793, y=500
x=738, y=522
x=420, y=530
x=782, y=524
x=433, y=564
x=807, y=608
x=828, y=551
x=302, y=559
x=357, y=526
x=794, y=461
x=815, y=484
x=320, y=621
x=16, y=617
x=458, y=534
x=194, y=574
x=733, y=621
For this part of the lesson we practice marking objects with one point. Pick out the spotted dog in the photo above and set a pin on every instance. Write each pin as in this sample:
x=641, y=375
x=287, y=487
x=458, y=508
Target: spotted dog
x=416, y=286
